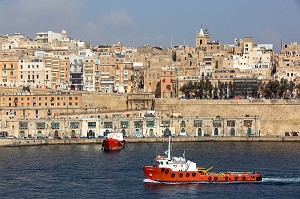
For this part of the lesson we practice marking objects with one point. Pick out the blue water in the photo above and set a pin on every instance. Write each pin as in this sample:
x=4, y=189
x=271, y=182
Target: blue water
x=85, y=171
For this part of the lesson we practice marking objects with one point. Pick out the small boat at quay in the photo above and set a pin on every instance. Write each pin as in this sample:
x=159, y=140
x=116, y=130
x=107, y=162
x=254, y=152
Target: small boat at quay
x=114, y=141
x=178, y=169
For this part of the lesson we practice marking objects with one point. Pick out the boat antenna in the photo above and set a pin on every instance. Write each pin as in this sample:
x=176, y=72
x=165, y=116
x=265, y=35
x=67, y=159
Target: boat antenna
x=169, y=149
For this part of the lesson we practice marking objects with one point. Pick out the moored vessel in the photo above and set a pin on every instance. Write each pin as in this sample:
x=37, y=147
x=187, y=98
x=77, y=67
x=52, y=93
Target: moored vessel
x=178, y=169
x=114, y=141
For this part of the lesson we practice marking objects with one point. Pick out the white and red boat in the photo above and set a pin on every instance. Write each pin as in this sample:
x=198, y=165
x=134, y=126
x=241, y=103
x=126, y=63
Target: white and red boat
x=178, y=169
x=113, y=141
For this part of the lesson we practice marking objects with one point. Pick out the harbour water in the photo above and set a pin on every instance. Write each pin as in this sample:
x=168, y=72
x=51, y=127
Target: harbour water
x=85, y=171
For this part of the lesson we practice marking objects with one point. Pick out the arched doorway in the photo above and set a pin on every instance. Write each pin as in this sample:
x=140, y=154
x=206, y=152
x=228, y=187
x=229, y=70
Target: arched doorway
x=123, y=131
x=73, y=133
x=167, y=132
x=106, y=132
x=39, y=134
x=151, y=133
x=249, y=132
x=216, y=131
x=56, y=133
x=232, y=132
x=22, y=134
x=137, y=133
x=199, y=132
x=182, y=132
x=91, y=134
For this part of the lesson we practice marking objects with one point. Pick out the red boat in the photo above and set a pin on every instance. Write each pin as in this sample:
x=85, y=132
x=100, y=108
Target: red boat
x=178, y=169
x=113, y=142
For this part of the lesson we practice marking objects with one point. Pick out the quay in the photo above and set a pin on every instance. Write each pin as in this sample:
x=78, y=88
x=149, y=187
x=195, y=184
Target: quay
x=37, y=142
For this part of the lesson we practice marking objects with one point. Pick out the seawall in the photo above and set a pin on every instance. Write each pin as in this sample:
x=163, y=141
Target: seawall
x=38, y=142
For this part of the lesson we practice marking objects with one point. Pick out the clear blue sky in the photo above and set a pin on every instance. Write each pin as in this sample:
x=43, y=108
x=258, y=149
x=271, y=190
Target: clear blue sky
x=155, y=21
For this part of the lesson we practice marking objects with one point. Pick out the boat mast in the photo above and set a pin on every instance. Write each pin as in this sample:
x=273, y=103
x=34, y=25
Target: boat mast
x=169, y=149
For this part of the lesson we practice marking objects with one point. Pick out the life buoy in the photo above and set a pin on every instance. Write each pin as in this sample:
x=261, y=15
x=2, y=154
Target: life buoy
x=162, y=170
x=209, y=178
x=187, y=175
x=173, y=175
x=215, y=178
x=226, y=178
x=193, y=174
x=180, y=175
x=167, y=171
x=244, y=178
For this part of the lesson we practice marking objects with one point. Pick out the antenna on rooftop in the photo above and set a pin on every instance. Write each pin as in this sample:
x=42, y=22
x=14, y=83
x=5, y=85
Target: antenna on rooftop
x=171, y=41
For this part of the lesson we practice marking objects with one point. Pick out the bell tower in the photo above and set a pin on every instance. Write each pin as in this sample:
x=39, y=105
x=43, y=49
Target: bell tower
x=201, y=38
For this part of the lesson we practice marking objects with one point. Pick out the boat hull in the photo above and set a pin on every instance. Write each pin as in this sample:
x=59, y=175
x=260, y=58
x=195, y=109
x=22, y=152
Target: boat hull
x=167, y=175
x=111, y=144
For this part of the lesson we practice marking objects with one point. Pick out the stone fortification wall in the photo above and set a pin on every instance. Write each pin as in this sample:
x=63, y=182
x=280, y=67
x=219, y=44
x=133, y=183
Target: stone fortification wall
x=276, y=116
x=109, y=102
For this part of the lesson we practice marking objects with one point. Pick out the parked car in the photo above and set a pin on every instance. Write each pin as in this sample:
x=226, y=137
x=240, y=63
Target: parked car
x=294, y=133
x=11, y=137
x=74, y=136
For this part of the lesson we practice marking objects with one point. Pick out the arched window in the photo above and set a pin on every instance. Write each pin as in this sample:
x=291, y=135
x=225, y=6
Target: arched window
x=216, y=131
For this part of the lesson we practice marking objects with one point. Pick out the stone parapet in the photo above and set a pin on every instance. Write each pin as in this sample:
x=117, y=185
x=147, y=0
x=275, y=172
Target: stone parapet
x=39, y=142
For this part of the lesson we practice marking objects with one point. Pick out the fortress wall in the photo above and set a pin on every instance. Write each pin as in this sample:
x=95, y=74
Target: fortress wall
x=276, y=116
x=111, y=102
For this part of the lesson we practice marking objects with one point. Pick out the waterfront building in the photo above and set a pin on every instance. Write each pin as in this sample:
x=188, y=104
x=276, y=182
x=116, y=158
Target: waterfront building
x=9, y=72
x=33, y=74
x=76, y=72
x=70, y=80
x=289, y=62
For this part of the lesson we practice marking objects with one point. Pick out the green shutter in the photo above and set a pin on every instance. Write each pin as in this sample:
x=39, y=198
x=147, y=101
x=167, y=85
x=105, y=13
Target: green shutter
x=40, y=125
x=124, y=124
x=150, y=123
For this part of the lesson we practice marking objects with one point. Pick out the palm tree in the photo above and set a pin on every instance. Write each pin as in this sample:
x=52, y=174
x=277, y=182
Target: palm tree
x=220, y=86
x=200, y=87
x=291, y=87
x=282, y=88
x=231, y=91
x=260, y=89
x=274, y=87
x=185, y=90
x=297, y=90
x=207, y=88
x=226, y=90
x=215, y=92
